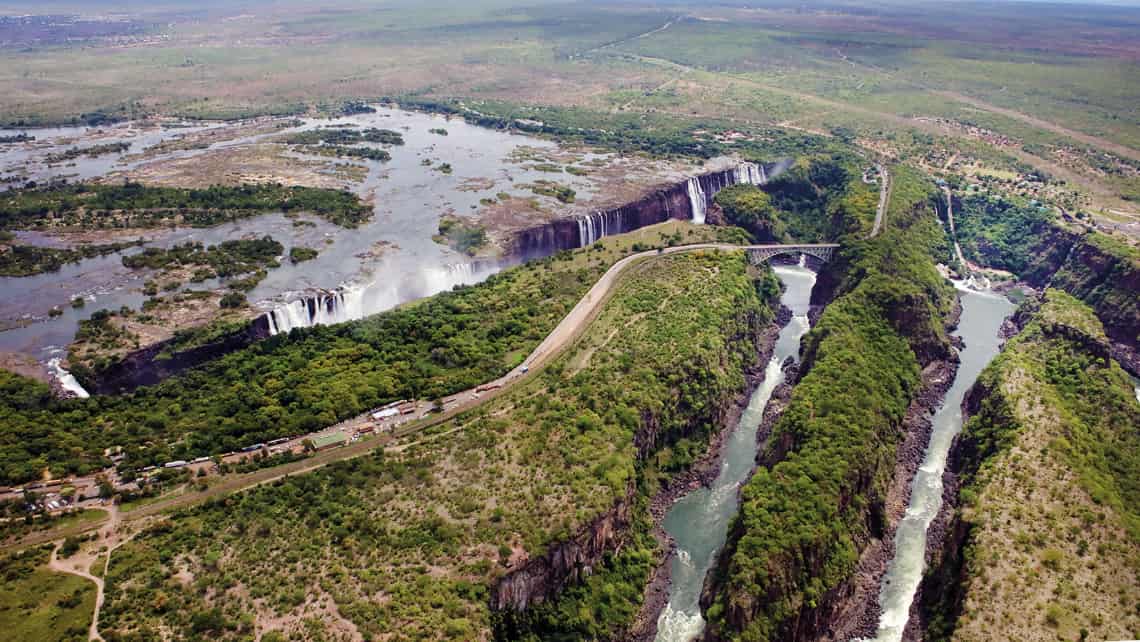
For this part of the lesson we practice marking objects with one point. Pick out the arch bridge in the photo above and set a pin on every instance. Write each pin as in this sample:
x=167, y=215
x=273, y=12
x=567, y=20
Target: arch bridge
x=761, y=253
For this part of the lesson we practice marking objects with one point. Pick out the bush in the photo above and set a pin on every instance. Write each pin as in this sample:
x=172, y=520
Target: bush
x=233, y=300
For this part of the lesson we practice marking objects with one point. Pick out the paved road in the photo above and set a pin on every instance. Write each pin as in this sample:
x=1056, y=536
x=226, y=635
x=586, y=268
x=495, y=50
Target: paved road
x=565, y=333
x=884, y=199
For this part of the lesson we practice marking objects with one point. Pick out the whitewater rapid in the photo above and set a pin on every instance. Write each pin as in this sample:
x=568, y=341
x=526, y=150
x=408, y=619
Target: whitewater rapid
x=698, y=521
x=982, y=315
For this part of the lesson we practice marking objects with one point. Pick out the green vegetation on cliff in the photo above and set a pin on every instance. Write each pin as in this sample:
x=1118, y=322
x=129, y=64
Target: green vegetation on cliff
x=749, y=207
x=1098, y=269
x=801, y=204
x=806, y=512
x=92, y=205
x=411, y=542
x=310, y=378
x=1000, y=233
x=1104, y=273
x=1047, y=534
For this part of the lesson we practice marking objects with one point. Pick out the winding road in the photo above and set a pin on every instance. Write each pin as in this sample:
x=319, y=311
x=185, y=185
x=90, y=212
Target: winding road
x=563, y=335
x=113, y=532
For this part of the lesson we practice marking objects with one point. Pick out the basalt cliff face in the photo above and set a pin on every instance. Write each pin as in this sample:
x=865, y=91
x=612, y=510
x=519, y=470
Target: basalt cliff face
x=542, y=578
x=1094, y=267
x=154, y=363
x=1106, y=276
x=1002, y=487
x=683, y=201
x=815, y=514
x=687, y=200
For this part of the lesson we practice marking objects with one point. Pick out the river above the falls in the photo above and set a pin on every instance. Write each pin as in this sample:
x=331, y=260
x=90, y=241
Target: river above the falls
x=982, y=317
x=698, y=522
x=394, y=251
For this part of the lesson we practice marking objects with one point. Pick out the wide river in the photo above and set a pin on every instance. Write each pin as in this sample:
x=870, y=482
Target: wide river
x=982, y=316
x=698, y=522
x=393, y=254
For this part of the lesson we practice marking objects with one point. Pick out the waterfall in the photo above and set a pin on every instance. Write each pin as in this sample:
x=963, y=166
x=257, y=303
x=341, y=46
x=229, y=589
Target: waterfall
x=66, y=380
x=750, y=174
x=352, y=302
x=601, y=223
x=324, y=308
x=588, y=229
x=697, y=199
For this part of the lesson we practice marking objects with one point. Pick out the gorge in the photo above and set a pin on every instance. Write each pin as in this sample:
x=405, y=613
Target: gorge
x=698, y=521
x=687, y=200
x=983, y=314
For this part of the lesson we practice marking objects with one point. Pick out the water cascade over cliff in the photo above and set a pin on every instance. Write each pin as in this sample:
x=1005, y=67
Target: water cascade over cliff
x=67, y=381
x=751, y=174
x=688, y=200
x=698, y=203
x=356, y=301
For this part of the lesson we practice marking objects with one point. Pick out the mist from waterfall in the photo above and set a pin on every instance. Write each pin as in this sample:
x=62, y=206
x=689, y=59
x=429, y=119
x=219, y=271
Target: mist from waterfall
x=356, y=301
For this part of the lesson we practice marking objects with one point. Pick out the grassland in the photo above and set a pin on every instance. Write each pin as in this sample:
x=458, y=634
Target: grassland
x=1050, y=491
x=1054, y=94
x=406, y=544
x=40, y=604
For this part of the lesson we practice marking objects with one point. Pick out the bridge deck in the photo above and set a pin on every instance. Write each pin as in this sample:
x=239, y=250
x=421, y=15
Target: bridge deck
x=762, y=253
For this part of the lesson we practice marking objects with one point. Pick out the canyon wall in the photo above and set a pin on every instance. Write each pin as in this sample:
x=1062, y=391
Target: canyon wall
x=1097, y=268
x=817, y=501
x=690, y=414
x=156, y=362
x=685, y=200
x=1049, y=439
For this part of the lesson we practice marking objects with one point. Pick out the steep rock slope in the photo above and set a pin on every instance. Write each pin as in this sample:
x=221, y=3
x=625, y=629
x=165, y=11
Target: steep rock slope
x=816, y=500
x=1045, y=541
x=1098, y=269
x=445, y=537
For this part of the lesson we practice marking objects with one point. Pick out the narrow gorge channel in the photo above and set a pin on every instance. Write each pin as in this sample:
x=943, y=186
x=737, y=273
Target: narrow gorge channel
x=698, y=522
x=982, y=316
